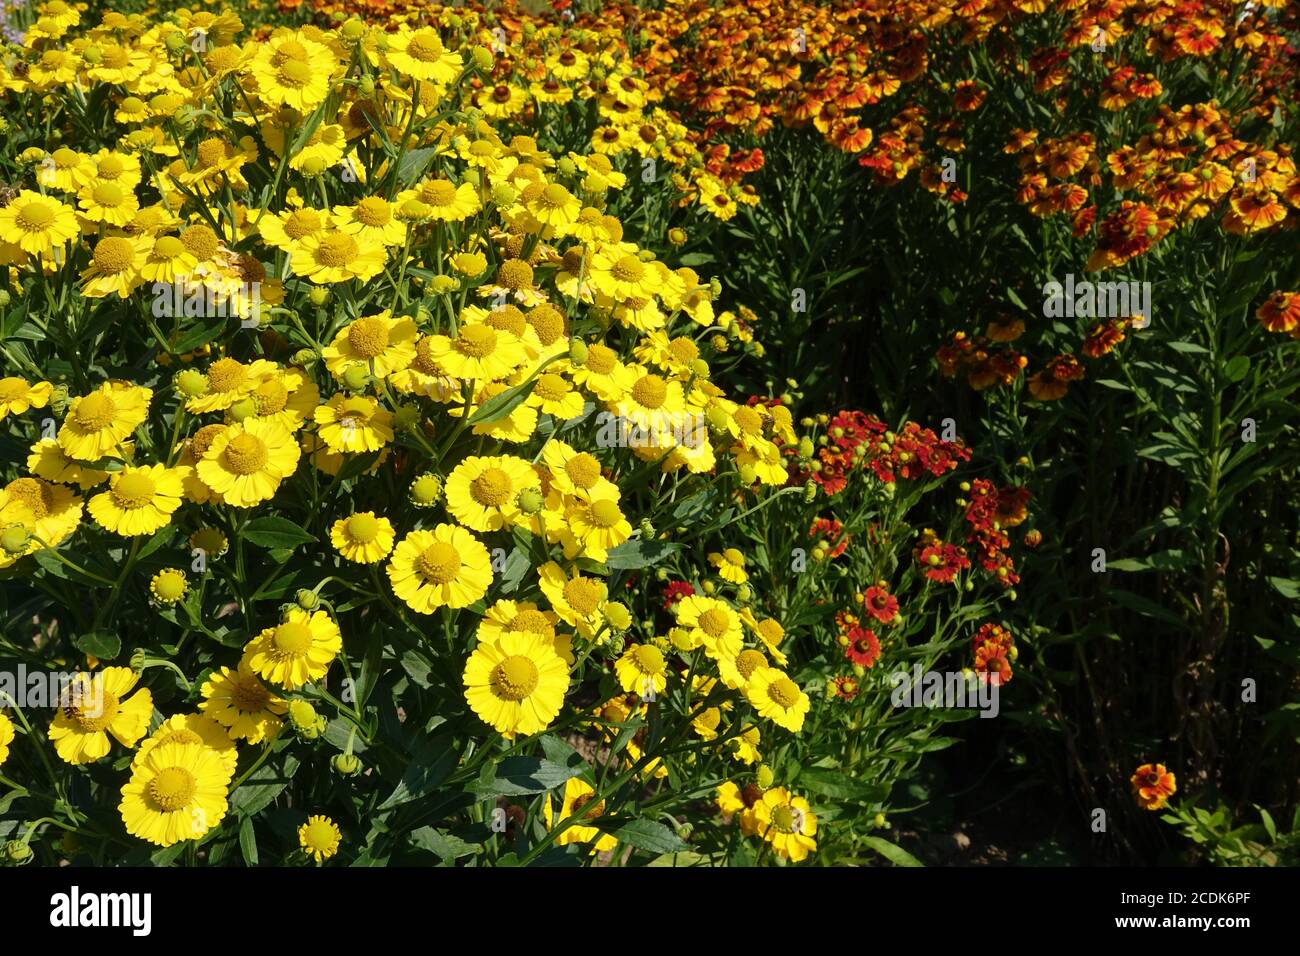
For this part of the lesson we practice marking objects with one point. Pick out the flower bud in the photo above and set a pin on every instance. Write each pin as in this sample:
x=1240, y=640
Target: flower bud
x=14, y=539
x=765, y=776
x=530, y=501
x=4, y=298
x=406, y=417
x=17, y=852
x=191, y=382
x=346, y=765
x=578, y=352
x=619, y=617
x=355, y=378
x=425, y=490
x=244, y=408
x=307, y=599
x=318, y=296
x=647, y=530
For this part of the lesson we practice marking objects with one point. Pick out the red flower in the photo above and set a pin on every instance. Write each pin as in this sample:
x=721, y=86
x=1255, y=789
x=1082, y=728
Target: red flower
x=846, y=688
x=675, y=591
x=942, y=561
x=862, y=647
x=1153, y=785
x=832, y=532
x=880, y=604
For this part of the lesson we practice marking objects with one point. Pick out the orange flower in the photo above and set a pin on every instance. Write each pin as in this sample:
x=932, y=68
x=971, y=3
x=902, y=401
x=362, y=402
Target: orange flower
x=1281, y=313
x=1153, y=785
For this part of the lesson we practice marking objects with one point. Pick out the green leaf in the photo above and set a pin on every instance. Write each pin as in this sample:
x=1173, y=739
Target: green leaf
x=499, y=406
x=840, y=786
x=1287, y=587
x=430, y=766
x=200, y=333
x=635, y=554
x=101, y=644
x=275, y=533
x=413, y=165
x=1173, y=560
x=248, y=841
x=1144, y=606
x=891, y=852
x=264, y=785
x=446, y=847
x=523, y=775
x=1237, y=368
x=515, y=570
x=650, y=835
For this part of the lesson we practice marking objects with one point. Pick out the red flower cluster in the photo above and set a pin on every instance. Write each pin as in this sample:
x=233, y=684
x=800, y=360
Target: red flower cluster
x=879, y=603
x=832, y=532
x=861, y=440
x=941, y=561
x=675, y=591
x=994, y=649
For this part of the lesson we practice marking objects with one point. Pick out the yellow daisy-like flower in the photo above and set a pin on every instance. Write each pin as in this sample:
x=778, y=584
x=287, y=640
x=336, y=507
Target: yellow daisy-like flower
x=363, y=537
x=787, y=823
x=642, y=670
x=731, y=565
x=17, y=397
x=337, y=257
x=49, y=513
x=579, y=600
x=190, y=729
x=351, y=424
x=374, y=219
x=6, y=737
x=778, y=698
x=47, y=460
x=296, y=651
x=37, y=224
x=736, y=671
x=578, y=803
x=554, y=395
x=115, y=266
x=479, y=353
x=109, y=203
x=421, y=55
x=516, y=683
x=239, y=701
x=294, y=71
x=177, y=792
x=506, y=616
x=319, y=837
x=769, y=631
x=282, y=230
x=382, y=343
x=168, y=261
x=246, y=462
x=96, y=424
x=552, y=205
x=445, y=567
x=95, y=706
x=482, y=492
x=424, y=376
x=447, y=201
x=575, y=472
x=711, y=624
x=594, y=526
x=616, y=271
x=229, y=381
x=139, y=500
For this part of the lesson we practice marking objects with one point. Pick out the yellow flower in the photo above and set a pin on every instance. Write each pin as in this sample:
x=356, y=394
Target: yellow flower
x=98, y=423
x=731, y=565
x=420, y=55
x=239, y=701
x=296, y=651
x=319, y=837
x=139, y=500
x=16, y=396
x=176, y=792
x=579, y=600
x=445, y=567
x=337, y=257
x=642, y=670
x=36, y=224
x=578, y=803
x=373, y=219
x=479, y=353
x=49, y=512
x=108, y=203
x=229, y=382
x=282, y=230
x=575, y=472
x=482, y=492
x=353, y=424
x=778, y=698
x=787, y=823
x=769, y=631
x=616, y=271
x=6, y=737
x=380, y=342
x=246, y=462
x=363, y=537
x=712, y=624
x=516, y=683
x=447, y=202
x=95, y=706
x=168, y=261
x=190, y=729
x=554, y=395
x=293, y=71
x=115, y=266
x=595, y=525
x=736, y=671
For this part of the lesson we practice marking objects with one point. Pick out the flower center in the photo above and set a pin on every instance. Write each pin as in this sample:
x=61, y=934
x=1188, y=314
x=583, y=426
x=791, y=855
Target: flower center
x=476, y=341
x=91, y=708
x=509, y=319
x=628, y=269
x=550, y=387
x=271, y=397
x=168, y=247
x=294, y=73
x=648, y=659
x=113, y=255
x=605, y=513
x=133, y=491
x=534, y=622
x=36, y=495
x=249, y=696
x=302, y=222
x=715, y=622
x=336, y=250
x=601, y=359
x=651, y=391
x=783, y=691
x=320, y=836
x=583, y=470
x=514, y=678
x=172, y=789
x=492, y=488
x=363, y=529
x=439, y=563
x=373, y=211
x=226, y=375
x=580, y=803
x=583, y=595
x=750, y=422
x=748, y=661
x=368, y=337
x=425, y=47
x=34, y=216
x=246, y=454
x=211, y=152
x=440, y=192
x=783, y=819
x=293, y=638
x=95, y=412
x=201, y=241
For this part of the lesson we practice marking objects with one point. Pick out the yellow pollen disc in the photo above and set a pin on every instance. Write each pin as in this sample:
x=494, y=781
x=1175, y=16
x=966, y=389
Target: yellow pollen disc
x=583, y=470
x=226, y=375
x=683, y=350
x=491, y=489
x=547, y=323
x=601, y=359
x=211, y=152
x=783, y=691
x=246, y=454
x=734, y=556
x=748, y=661
x=336, y=250
x=292, y=638
x=95, y=412
x=550, y=387
x=249, y=695
x=373, y=212
x=711, y=718
x=34, y=494
x=515, y=274
x=65, y=158
x=648, y=659
x=650, y=391
x=425, y=47
x=555, y=195
x=440, y=192
x=168, y=247
x=580, y=807
x=628, y=269
x=605, y=513
x=439, y=563
x=583, y=595
x=172, y=789
x=509, y=319
x=715, y=622
x=750, y=422
x=203, y=439
x=783, y=819
x=294, y=73
x=271, y=397
x=289, y=50
x=34, y=216
x=534, y=622
x=368, y=337
x=476, y=341
x=201, y=241
x=302, y=222
x=92, y=708
x=133, y=491
x=113, y=255
x=514, y=678
x=363, y=528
